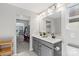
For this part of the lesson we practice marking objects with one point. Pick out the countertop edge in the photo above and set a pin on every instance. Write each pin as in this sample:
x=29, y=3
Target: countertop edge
x=53, y=41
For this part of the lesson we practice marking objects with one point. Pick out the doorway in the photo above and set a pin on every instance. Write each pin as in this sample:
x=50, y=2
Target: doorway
x=22, y=35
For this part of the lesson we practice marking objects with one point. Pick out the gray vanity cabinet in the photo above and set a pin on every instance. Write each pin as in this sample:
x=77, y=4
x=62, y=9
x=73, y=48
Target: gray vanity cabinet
x=43, y=48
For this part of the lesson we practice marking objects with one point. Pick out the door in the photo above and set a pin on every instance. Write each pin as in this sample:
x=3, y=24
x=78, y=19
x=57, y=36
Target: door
x=19, y=31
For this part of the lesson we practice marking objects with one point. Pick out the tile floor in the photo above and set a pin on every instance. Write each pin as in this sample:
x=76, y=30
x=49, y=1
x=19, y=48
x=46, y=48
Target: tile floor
x=23, y=49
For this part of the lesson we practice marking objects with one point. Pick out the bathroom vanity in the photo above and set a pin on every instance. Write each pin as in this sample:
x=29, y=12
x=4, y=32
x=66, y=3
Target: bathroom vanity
x=47, y=46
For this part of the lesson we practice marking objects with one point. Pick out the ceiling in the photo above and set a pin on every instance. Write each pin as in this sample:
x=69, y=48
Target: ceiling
x=34, y=7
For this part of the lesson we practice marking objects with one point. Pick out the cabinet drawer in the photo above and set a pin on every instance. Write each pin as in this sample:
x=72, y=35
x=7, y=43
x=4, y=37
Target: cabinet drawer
x=45, y=51
x=46, y=43
x=58, y=44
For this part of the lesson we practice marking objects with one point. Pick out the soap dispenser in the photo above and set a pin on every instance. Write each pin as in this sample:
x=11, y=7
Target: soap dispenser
x=53, y=36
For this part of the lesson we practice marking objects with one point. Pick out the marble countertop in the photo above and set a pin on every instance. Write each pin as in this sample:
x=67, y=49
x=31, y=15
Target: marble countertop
x=48, y=39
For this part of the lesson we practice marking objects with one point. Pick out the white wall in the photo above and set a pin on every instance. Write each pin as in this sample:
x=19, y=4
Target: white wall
x=73, y=33
x=33, y=29
x=7, y=20
x=35, y=25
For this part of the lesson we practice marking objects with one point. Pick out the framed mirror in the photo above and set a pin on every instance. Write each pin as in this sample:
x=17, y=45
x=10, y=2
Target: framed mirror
x=51, y=24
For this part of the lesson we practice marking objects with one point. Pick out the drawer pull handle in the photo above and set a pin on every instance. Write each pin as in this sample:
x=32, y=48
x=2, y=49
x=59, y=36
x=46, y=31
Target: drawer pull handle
x=57, y=48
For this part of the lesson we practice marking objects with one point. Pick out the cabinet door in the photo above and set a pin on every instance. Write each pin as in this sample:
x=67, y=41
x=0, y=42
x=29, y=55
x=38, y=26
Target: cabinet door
x=58, y=49
x=46, y=51
x=35, y=45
